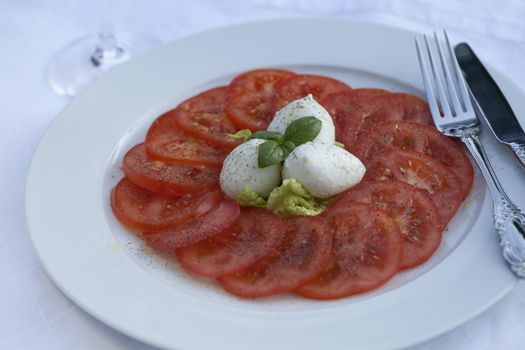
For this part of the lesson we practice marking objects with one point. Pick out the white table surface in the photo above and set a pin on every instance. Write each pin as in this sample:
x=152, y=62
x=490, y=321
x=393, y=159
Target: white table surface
x=34, y=314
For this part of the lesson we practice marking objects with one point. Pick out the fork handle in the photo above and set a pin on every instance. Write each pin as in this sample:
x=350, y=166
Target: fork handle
x=519, y=150
x=509, y=220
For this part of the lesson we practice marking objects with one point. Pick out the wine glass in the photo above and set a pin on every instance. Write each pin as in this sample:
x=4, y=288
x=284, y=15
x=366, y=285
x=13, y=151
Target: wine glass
x=83, y=60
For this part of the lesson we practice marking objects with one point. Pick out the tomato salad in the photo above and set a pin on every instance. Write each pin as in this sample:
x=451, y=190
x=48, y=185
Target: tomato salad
x=394, y=219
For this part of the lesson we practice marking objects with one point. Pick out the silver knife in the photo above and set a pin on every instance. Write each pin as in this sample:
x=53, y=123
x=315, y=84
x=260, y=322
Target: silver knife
x=492, y=102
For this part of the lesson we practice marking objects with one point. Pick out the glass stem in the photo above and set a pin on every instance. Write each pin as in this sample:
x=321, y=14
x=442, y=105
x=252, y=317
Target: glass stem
x=107, y=50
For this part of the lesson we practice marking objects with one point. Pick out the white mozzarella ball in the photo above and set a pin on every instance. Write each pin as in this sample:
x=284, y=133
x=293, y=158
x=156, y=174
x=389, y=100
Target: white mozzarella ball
x=240, y=170
x=305, y=107
x=324, y=170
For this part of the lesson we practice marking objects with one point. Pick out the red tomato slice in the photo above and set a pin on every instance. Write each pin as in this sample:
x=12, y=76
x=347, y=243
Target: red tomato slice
x=255, y=234
x=250, y=95
x=168, y=178
x=423, y=172
x=165, y=141
x=301, y=85
x=417, y=217
x=414, y=108
x=303, y=254
x=196, y=230
x=355, y=114
x=340, y=104
x=367, y=252
x=203, y=117
x=141, y=209
x=420, y=138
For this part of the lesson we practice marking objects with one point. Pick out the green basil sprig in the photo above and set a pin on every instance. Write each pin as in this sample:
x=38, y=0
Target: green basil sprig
x=270, y=152
x=267, y=135
x=278, y=146
x=302, y=130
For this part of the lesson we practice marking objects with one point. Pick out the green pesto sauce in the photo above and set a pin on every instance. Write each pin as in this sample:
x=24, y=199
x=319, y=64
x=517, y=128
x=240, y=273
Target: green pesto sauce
x=289, y=199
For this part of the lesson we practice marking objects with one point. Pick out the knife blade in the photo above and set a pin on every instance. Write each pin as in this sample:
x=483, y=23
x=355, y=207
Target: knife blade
x=492, y=103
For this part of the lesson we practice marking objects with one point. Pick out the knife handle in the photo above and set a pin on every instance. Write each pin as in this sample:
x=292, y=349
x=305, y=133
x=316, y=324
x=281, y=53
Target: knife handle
x=519, y=150
x=509, y=220
x=510, y=224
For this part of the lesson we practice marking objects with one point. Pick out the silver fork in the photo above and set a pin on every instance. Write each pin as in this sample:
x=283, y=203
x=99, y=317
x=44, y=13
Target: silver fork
x=455, y=116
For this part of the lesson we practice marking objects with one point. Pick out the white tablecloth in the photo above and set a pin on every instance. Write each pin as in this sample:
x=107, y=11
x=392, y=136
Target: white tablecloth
x=34, y=314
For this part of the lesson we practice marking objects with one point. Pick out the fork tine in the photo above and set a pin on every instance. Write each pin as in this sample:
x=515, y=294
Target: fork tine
x=450, y=80
x=427, y=80
x=459, y=76
x=445, y=107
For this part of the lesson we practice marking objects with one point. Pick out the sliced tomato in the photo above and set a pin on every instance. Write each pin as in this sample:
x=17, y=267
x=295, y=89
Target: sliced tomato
x=367, y=252
x=196, y=230
x=414, y=108
x=368, y=92
x=255, y=234
x=202, y=116
x=141, y=209
x=250, y=96
x=423, y=172
x=165, y=141
x=357, y=113
x=301, y=85
x=418, y=137
x=168, y=178
x=340, y=104
x=411, y=208
x=303, y=254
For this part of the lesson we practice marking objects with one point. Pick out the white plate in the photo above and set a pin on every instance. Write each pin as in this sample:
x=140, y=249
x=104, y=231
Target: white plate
x=106, y=270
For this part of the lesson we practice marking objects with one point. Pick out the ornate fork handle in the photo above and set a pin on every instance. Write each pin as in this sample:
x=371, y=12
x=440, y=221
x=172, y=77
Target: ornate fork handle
x=519, y=151
x=509, y=220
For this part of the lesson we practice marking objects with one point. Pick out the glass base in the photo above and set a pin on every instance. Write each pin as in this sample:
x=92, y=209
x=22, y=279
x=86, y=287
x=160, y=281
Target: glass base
x=75, y=66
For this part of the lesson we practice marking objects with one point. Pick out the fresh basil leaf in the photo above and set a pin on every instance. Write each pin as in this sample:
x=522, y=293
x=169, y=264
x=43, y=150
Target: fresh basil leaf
x=241, y=135
x=287, y=147
x=303, y=130
x=270, y=152
x=267, y=135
